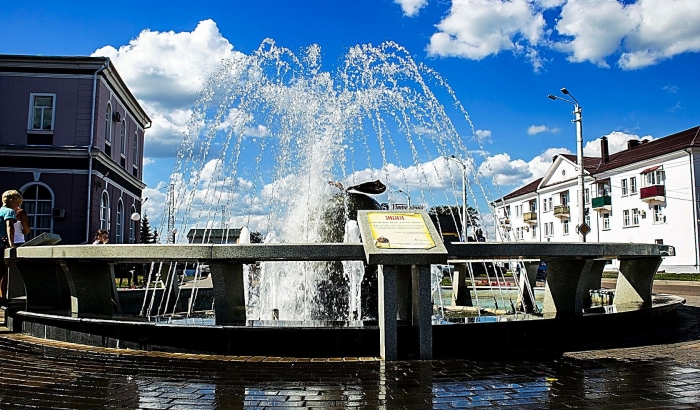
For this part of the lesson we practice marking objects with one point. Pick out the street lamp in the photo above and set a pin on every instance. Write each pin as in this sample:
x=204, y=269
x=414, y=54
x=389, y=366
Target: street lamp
x=464, y=196
x=407, y=196
x=582, y=227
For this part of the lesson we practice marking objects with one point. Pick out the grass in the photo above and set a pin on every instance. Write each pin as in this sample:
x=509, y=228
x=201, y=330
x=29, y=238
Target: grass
x=690, y=277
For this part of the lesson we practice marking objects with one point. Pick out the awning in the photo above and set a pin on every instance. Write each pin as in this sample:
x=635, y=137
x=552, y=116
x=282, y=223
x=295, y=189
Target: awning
x=650, y=169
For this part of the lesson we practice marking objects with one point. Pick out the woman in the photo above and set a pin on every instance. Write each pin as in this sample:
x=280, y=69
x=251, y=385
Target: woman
x=22, y=224
x=101, y=237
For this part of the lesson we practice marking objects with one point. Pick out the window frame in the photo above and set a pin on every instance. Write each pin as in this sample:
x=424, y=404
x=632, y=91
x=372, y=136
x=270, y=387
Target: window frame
x=565, y=226
x=105, y=211
x=626, y=220
x=108, y=124
x=119, y=228
x=122, y=138
x=34, y=231
x=633, y=186
x=132, y=226
x=606, y=222
x=658, y=215
x=625, y=188
x=30, y=119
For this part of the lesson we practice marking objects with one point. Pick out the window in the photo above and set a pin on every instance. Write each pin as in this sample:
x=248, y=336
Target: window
x=544, y=205
x=41, y=112
x=534, y=231
x=659, y=216
x=38, y=204
x=506, y=211
x=533, y=205
x=517, y=210
x=108, y=130
x=635, y=217
x=565, y=224
x=120, y=222
x=136, y=149
x=549, y=203
x=603, y=188
x=659, y=241
x=625, y=191
x=132, y=226
x=564, y=198
x=104, y=211
x=633, y=185
x=626, y=218
x=587, y=218
x=656, y=177
x=606, y=221
x=122, y=138
x=587, y=196
x=549, y=229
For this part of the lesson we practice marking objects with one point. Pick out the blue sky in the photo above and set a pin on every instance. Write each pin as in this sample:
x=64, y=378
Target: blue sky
x=632, y=65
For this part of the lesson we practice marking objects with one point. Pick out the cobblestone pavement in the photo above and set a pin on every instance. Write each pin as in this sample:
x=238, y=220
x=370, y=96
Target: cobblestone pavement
x=661, y=371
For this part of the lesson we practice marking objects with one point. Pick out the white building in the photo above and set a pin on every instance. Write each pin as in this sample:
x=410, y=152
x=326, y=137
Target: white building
x=647, y=193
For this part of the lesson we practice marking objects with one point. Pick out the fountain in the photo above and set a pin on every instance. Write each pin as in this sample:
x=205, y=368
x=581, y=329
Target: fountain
x=276, y=144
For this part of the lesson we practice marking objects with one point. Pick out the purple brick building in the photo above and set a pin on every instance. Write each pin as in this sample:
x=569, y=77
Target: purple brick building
x=71, y=140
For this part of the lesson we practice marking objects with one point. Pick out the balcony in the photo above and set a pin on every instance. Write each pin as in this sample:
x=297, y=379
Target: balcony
x=530, y=217
x=562, y=211
x=602, y=203
x=654, y=193
x=504, y=221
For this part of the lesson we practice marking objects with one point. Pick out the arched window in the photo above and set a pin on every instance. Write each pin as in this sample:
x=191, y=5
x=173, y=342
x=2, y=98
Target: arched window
x=104, y=211
x=120, y=222
x=108, y=130
x=38, y=204
x=132, y=226
x=136, y=149
x=122, y=138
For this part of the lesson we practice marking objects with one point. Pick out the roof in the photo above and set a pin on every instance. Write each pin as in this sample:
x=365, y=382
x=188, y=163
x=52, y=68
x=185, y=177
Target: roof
x=689, y=138
x=76, y=65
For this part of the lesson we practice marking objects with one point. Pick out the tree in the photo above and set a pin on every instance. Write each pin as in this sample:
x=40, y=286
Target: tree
x=256, y=237
x=146, y=235
x=456, y=212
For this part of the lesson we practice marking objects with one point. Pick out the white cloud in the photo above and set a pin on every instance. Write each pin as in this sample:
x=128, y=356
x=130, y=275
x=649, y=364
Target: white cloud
x=617, y=141
x=165, y=70
x=664, y=28
x=411, y=7
x=483, y=136
x=538, y=129
x=637, y=33
x=645, y=32
x=476, y=29
x=506, y=171
x=671, y=89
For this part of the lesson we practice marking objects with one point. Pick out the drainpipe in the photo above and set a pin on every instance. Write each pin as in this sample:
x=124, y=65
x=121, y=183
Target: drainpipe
x=695, y=207
x=89, y=149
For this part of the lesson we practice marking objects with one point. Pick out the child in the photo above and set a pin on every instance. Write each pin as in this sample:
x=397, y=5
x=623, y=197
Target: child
x=10, y=201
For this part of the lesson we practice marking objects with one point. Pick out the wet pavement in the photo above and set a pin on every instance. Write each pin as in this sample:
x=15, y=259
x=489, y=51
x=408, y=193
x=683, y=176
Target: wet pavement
x=662, y=370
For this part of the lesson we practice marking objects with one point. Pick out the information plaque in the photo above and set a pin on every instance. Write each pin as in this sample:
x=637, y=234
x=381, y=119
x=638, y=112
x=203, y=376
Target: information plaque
x=400, y=238
x=399, y=230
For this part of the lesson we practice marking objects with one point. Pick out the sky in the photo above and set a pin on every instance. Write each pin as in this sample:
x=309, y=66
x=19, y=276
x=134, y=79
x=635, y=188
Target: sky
x=632, y=65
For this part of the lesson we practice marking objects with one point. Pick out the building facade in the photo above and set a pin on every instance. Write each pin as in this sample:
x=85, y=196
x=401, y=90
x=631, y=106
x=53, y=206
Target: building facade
x=71, y=141
x=647, y=193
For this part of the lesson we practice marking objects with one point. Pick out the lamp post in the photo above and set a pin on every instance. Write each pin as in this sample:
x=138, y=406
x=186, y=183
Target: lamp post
x=407, y=197
x=582, y=226
x=464, y=196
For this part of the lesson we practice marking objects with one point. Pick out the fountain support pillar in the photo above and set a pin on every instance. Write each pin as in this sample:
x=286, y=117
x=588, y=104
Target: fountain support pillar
x=635, y=281
x=404, y=293
x=387, y=312
x=590, y=280
x=460, y=291
x=561, y=291
x=229, y=295
x=526, y=287
x=45, y=284
x=423, y=310
x=93, y=287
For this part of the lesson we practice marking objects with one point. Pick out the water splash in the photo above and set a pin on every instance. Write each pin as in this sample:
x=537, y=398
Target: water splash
x=272, y=129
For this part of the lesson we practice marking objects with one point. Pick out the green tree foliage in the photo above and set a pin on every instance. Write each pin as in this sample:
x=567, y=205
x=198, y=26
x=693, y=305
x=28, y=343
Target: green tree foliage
x=456, y=211
x=147, y=236
x=256, y=237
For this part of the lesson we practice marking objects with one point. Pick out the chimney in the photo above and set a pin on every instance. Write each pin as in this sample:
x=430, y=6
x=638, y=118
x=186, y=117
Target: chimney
x=632, y=143
x=604, y=151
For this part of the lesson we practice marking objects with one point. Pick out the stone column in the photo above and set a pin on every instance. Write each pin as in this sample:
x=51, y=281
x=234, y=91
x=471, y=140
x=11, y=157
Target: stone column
x=45, y=284
x=387, y=312
x=528, y=278
x=404, y=298
x=92, y=285
x=15, y=285
x=561, y=291
x=590, y=280
x=229, y=295
x=423, y=310
x=460, y=291
x=635, y=281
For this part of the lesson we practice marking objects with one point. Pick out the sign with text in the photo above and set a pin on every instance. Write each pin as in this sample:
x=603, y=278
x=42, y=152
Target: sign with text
x=399, y=230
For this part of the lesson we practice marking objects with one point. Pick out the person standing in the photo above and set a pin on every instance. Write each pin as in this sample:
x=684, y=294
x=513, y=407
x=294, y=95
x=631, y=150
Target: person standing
x=10, y=201
x=22, y=225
